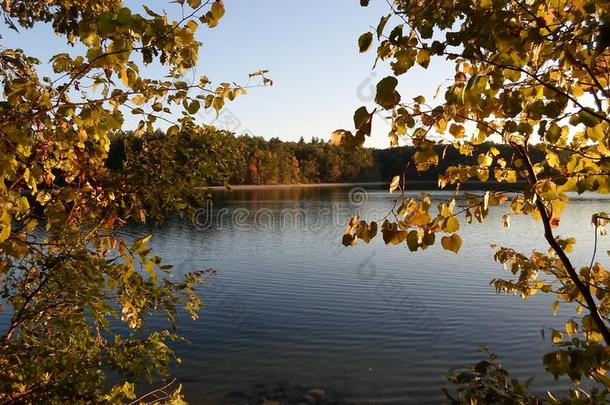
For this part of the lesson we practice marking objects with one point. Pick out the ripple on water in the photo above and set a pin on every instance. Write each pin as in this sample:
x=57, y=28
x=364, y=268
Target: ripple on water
x=376, y=324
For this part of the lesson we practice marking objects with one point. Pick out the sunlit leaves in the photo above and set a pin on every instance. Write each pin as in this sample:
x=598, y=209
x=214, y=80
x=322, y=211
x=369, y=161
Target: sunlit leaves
x=62, y=63
x=212, y=17
x=534, y=79
x=425, y=159
x=57, y=134
x=366, y=232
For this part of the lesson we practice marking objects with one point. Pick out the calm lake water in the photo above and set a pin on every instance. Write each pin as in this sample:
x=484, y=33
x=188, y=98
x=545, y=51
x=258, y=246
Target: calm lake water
x=371, y=324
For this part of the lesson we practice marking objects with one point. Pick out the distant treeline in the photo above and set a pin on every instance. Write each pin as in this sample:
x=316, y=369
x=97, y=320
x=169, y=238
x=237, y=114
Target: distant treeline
x=219, y=157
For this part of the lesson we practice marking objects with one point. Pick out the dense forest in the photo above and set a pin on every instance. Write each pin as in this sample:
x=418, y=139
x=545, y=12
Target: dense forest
x=219, y=157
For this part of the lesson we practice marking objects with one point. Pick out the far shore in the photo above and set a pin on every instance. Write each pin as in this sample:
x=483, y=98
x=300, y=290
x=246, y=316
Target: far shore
x=414, y=185
x=285, y=186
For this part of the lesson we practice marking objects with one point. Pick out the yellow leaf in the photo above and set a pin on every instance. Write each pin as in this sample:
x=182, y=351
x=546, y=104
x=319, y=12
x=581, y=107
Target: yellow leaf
x=394, y=184
x=457, y=131
x=139, y=99
x=571, y=327
x=451, y=225
x=24, y=205
x=555, y=307
x=452, y=243
x=485, y=160
x=441, y=125
x=5, y=226
x=218, y=9
x=124, y=77
x=418, y=218
x=423, y=58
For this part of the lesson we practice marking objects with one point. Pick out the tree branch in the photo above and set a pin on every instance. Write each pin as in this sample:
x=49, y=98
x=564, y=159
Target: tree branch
x=550, y=238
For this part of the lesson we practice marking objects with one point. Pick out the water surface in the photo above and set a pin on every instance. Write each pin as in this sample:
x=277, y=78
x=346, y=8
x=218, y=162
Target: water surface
x=373, y=324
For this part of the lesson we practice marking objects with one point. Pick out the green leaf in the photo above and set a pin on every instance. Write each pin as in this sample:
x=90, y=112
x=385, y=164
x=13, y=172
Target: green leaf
x=413, y=241
x=405, y=59
x=105, y=24
x=588, y=118
x=387, y=96
x=61, y=63
x=553, y=133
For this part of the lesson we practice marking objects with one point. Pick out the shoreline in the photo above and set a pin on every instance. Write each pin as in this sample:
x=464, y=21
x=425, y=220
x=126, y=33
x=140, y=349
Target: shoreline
x=414, y=185
x=287, y=186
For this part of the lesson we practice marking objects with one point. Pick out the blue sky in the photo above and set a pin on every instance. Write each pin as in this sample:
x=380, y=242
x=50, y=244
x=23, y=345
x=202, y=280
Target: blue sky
x=311, y=51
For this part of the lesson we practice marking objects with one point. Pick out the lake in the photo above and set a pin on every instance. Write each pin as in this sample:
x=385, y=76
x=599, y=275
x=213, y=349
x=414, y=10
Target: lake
x=371, y=324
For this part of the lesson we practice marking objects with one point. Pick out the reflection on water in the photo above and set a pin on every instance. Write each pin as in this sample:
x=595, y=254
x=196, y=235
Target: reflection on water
x=371, y=324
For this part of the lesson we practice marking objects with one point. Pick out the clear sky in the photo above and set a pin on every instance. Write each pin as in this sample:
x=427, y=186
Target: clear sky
x=311, y=51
